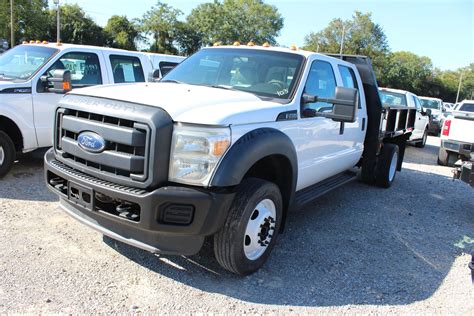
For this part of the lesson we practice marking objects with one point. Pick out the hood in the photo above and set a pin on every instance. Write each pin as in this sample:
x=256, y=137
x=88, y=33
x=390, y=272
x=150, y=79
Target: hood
x=193, y=104
x=14, y=87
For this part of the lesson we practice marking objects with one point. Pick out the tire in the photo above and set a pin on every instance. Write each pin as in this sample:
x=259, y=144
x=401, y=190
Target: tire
x=422, y=142
x=237, y=245
x=446, y=158
x=7, y=153
x=442, y=157
x=387, y=163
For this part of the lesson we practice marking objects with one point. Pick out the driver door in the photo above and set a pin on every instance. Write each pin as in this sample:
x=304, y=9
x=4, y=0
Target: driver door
x=319, y=138
x=85, y=70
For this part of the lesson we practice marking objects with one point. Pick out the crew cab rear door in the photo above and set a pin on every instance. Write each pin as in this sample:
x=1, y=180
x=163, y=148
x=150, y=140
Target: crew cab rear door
x=127, y=68
x=326, y=147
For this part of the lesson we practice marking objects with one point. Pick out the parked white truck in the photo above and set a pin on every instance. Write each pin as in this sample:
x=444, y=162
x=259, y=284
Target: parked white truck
x=27, y=104
x=224, y=146
x=436, y=108
x=395, y=97
x=457, y=135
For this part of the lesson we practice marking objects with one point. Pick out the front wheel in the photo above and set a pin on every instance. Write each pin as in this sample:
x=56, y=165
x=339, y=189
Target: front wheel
x=422, y=142
x=7, y=153
x=248, y=236
x=387, y=165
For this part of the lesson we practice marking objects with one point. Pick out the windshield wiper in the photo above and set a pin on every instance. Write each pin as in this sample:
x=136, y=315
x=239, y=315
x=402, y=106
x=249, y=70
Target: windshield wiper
x=171, y=80
x=223, y=87
x=2, y=76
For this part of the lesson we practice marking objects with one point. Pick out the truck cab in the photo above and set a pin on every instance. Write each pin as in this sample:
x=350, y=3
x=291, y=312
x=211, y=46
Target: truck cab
x=27, y=104
x=224, y=147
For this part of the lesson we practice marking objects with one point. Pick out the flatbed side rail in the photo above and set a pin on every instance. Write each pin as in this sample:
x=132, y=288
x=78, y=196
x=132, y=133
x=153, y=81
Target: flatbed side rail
x=397, y=120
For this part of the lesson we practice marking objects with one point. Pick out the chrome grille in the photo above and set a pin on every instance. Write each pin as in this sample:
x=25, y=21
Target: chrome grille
x=127, y=144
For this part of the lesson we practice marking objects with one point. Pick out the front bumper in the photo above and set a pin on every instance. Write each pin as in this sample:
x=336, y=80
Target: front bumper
x=168, y=220
x=434, y=126
x=461, y=148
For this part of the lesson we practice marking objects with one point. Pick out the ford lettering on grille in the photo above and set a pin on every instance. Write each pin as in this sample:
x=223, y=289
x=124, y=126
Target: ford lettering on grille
x=91, y=142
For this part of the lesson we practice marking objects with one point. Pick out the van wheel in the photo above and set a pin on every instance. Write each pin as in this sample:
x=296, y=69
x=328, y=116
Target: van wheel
x=248, y=236
x=386, y=165
x=7, y=153
x=422, y=142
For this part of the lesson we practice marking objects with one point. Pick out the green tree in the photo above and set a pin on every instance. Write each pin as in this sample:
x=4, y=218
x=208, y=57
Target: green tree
x=121, y=33
x=236, y=20
x=187, y=39
x=361, y=37
x=76, y=27
x=161, y=22
x=30, y=19
x=408, y=71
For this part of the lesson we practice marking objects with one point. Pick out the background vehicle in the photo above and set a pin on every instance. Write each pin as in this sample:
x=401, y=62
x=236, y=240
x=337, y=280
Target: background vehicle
x=26, y=103
x=394, y=97
x=225, y=145
x=3, y=45
x=435, y=106
x=457, y=135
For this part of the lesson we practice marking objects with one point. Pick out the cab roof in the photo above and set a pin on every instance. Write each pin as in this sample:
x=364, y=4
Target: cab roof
x=430, y=98
x=395, y=90
x=63, y=46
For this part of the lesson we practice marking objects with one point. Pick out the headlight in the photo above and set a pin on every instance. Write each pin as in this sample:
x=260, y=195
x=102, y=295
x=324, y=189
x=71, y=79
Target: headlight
x=195, y=153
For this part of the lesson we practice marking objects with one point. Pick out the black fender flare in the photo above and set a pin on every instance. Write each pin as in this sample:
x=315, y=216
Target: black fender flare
x=249, y=149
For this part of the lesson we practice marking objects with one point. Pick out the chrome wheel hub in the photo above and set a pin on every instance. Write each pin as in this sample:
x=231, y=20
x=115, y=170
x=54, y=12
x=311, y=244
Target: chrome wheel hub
x=393, y=167
x=260, y=229
x=2, y=155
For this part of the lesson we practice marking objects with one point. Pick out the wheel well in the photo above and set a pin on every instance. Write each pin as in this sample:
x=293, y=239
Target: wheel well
x=276, y=169
x=11, y=129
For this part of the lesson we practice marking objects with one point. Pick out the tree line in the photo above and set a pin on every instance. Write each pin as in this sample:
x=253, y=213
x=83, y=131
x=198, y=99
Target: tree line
x=164, y=29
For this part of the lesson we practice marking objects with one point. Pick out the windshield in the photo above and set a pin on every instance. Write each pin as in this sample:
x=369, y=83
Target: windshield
x=264, y=73
x=431, y=104
x=467, y=107
x=393, y=98
x=23, y=61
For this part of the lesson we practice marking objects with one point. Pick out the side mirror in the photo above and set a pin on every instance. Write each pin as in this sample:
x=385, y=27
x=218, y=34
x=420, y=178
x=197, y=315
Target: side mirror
x=345, y=105
x=61, y=80
x=156, y=76
x=428, y=112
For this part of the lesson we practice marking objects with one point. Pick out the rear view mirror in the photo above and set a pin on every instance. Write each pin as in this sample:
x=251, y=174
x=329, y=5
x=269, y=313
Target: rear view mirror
x=61, y=80
x=345, y=105
x=428, y=112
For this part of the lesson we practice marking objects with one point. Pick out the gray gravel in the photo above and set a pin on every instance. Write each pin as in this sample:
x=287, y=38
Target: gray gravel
x=359, y=249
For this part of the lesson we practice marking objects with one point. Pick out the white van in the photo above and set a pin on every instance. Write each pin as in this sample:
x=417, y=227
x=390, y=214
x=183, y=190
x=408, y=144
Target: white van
x=26, y=102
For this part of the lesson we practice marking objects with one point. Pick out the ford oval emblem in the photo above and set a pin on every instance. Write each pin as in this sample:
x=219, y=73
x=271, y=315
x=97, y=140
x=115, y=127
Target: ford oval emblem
x=91, y=142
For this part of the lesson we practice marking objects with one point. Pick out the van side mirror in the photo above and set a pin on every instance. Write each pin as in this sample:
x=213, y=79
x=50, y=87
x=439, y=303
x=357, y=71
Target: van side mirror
x=156, y=76
x=428, y=112
x=61, y=80
x=345, y=105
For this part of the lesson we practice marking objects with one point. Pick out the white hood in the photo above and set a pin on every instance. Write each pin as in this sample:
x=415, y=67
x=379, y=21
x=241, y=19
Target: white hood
x=191, y=103
x=5, y=84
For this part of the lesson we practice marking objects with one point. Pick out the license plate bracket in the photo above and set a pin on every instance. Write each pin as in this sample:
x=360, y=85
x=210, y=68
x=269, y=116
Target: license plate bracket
x=80, y=195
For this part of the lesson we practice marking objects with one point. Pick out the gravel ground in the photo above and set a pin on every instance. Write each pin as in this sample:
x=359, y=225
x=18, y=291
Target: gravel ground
x=358, y=249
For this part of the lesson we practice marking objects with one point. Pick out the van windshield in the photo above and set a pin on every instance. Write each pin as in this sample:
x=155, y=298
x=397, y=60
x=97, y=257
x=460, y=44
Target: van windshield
x=264, y=73
x=430, y=104
x=22, y=62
